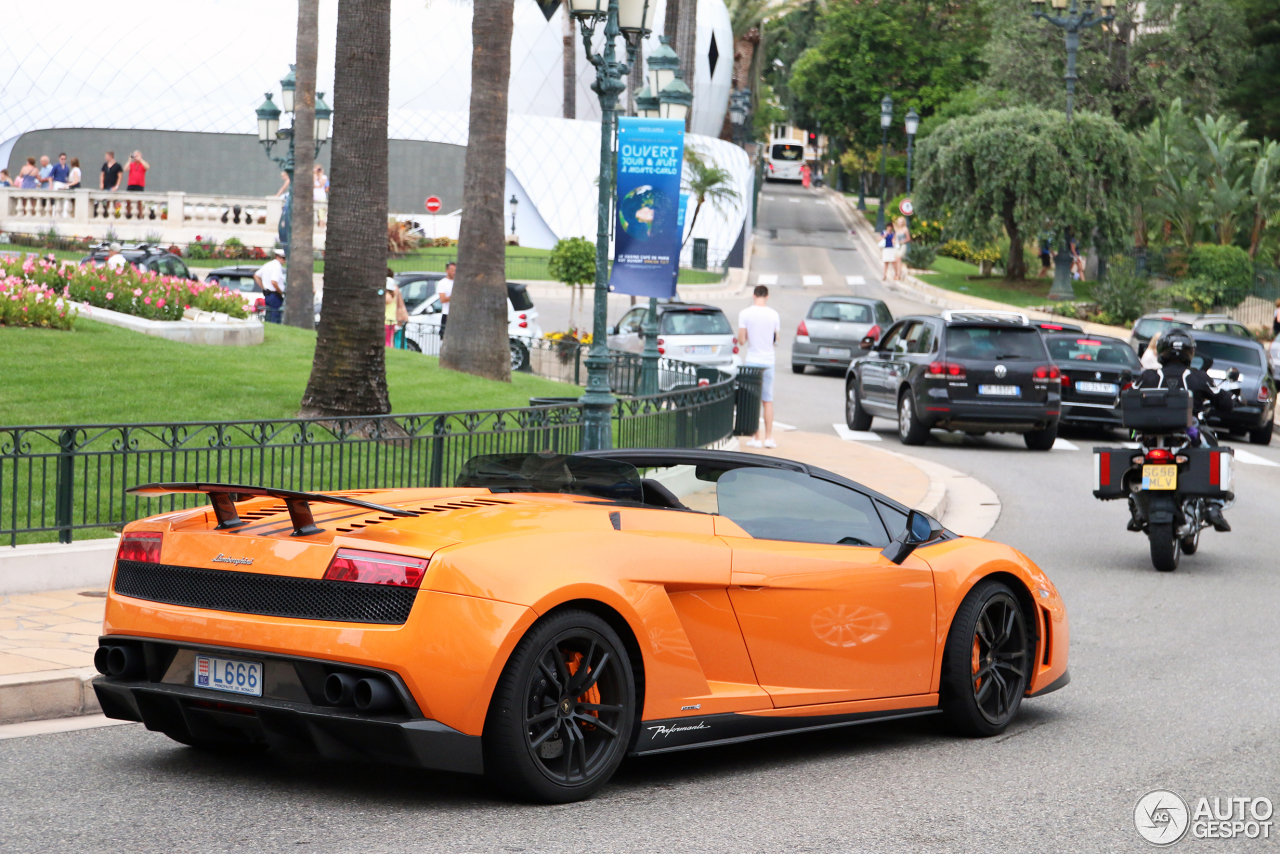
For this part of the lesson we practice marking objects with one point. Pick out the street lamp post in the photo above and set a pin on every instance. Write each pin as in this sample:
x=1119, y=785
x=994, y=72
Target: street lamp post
x=1072, y=21
x=739, y=102
x=913, y=125
x=886, y=119
x=629, y=19
x=512, y=205
x=270, y=133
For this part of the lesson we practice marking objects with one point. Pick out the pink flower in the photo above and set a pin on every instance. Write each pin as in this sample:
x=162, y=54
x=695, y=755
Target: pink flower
x=146, y=301
x=160, y=303
x=137, y=292
x=92, y=288
x=110, y=295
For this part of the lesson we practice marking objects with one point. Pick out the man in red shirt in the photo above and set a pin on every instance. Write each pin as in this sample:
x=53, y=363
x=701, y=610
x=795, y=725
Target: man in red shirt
x=137, y=172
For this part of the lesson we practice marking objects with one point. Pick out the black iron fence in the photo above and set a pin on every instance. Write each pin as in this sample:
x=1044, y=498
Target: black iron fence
x=55, y=481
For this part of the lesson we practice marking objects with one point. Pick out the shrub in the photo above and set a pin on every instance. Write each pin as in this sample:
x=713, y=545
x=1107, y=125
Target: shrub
x=1123, y=296
x=399, y=240
x=1195, y=294
x=927, y=231
x=989, y=254
x=1228, y=270
x=958, y=249
x=26, y=303
x=573, y=261
x=919, y=255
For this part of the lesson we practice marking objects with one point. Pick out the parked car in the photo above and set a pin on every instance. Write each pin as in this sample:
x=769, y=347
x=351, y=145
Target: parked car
x=423, y=330
x=144, y=257
x=1224, y=324
x=968, y=371
x=240, y=280
x=830, y=334
x=1220, y=353
x=1056, y=326
x=690, y=332
x=1095, y=369
x=1166, y=318
x=417, y=287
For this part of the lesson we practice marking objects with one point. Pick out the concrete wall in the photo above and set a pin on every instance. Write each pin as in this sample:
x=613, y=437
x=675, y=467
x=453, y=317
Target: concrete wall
x=234, y=164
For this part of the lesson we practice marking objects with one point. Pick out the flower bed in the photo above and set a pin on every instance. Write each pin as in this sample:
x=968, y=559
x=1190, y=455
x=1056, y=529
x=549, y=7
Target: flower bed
x=141, y=294
x=24, y=303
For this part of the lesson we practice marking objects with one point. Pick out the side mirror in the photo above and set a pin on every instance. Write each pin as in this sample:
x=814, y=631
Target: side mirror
x=613, y=330
x=867, y=343
x=920, y=529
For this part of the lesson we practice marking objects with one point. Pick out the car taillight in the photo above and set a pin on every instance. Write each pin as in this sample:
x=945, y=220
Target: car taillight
x=873, y=333
x=662, y=351
x=802, y=329
x=1159, y=455
x=524, y=317
x=1066, y=380
x=140, y=546
x=948, y=370
x=524, y=324
x=735, y=347
x=376, y=568
x=1264, y=394
x=1047, y=372
x=661, y=342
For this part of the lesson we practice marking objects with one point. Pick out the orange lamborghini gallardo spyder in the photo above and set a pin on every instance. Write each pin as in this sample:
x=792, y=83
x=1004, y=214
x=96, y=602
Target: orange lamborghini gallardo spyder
x=550, y=615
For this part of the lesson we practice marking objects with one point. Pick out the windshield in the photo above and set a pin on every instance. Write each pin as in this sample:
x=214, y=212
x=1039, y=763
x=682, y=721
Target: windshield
x=1103, y=351
x=559, y=473
x=695, y=323
x=1149, y=326
x=788, y=152
x=994, y=343
x=1220, y=351
x=844, y=312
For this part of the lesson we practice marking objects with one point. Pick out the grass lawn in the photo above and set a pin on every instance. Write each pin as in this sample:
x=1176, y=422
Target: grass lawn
x=963, y=277
x=101, y=374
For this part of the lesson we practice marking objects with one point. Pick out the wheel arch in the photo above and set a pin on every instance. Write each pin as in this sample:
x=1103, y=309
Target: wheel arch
x=1026, y=601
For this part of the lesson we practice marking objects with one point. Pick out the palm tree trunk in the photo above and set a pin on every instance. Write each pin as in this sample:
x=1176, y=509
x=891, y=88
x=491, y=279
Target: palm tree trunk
x=570, y=65
x=348, y=373
x=299, y=307
x=477, y=338
x=671, y=23
x=686, y=47
x=692, y=222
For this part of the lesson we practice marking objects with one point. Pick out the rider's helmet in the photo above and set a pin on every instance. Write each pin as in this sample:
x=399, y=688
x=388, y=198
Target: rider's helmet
x=1176, y=345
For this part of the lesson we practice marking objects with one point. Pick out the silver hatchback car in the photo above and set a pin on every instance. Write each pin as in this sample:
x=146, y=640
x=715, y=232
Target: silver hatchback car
x=833, y=330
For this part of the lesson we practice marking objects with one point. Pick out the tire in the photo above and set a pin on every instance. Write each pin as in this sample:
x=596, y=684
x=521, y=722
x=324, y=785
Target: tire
x=519, y=355
x=855, y=417
x=1165, y=549
x=539, y=701
x=910, y=428
x=797, y=369
x=1041, y=440
x=987, y=661
x=411, y=345
x=1262, y=436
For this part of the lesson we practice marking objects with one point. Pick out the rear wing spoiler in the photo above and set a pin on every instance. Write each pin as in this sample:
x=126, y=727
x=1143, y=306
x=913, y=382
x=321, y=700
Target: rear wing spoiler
x=223, y=497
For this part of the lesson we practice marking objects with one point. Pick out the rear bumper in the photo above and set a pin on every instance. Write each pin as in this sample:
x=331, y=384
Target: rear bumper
x=807, y=354
x=1093, y=416
x=1241, y=417
x=1001, y=417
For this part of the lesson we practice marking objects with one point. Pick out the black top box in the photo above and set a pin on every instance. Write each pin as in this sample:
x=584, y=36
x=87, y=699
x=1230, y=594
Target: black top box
x=1156, y=409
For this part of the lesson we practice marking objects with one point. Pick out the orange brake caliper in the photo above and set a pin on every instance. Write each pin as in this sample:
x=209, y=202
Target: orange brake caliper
x=977, y=661
x=593, y=693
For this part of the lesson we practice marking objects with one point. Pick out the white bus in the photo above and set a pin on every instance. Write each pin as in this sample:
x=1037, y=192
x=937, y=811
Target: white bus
x=786, y=156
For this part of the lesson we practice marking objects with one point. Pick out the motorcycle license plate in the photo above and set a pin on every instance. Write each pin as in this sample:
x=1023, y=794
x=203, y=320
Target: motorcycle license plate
x=1159, y=477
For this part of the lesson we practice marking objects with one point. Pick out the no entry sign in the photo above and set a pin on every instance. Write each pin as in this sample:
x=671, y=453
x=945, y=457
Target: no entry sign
x=433, y=204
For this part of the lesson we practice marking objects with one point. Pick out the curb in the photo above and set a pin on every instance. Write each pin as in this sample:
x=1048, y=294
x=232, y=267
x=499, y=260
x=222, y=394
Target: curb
x=56, y=566
x=969, y=507
x=47, y=694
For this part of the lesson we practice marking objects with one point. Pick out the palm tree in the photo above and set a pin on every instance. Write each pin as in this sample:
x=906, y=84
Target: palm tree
x=477, y=339
x=706, y=182
x=348, y=372
x=685, y=42
x=299, y=309
x=570, y=64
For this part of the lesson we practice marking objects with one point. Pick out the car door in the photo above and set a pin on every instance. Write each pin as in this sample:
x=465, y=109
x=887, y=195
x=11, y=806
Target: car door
x=628, y=336
x=879, y=386
x=826, y=617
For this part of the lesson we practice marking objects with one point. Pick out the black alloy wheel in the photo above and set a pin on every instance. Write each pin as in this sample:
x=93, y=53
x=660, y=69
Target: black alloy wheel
x=855, y=417
x=911, y=430
x=562, y=714
x=987, y=661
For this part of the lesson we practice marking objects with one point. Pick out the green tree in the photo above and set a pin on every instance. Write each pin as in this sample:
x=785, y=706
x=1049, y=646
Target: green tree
x=706, y=181
x=1256, y=97
x=1226, y=161
x=573, y=262
x=922, y=52
x=1188, y=49
x=1264, y=188
x=1015, y=169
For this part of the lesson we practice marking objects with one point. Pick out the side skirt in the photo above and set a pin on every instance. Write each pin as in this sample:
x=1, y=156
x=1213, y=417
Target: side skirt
x=671, y=734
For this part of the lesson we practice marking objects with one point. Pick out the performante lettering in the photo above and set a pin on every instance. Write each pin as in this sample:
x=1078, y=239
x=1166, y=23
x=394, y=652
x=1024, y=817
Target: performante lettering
x=240, y=561
x=665, y=731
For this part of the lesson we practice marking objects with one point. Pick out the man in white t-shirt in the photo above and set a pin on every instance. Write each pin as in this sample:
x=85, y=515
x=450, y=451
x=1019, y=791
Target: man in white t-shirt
x=758, y=327
x=116, y=260
x=271, y=278
x=444, y=288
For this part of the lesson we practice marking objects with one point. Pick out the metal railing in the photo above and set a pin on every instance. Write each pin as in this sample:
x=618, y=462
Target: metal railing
x=56, y=480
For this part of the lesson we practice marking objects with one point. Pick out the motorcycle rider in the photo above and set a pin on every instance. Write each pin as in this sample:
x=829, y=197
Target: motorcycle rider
x=1176, y=350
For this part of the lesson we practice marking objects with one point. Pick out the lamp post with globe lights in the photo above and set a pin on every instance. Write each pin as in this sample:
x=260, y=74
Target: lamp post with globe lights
x=1071, y=19
x=886, y=119
x=913, y=125
x=270, y=133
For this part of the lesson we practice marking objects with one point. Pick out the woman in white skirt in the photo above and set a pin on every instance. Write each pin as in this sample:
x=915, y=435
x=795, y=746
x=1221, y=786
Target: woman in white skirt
x=901, y=237
x=888, y=254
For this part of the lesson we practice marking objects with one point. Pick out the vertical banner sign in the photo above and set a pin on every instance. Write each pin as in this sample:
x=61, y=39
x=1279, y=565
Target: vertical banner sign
x=648, y=231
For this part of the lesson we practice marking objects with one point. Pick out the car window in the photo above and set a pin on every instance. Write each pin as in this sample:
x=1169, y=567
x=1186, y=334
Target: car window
x=695, y=323
x=883, y=316
x=630, y=322
x=180, y=269
x=518, y=296
x=992, y=343
x=416, y=293
x=894, y=519
x=920, y=338
x=787, y=152
x=842, y=312
x=776, y=504
x=1220, y=351
x=895, y=342
x=1149, y=326
x=1104, y=351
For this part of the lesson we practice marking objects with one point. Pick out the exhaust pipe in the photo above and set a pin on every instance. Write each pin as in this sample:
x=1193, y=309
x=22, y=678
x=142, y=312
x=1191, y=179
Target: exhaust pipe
x=339, y=689
x=374, y=695
x=119, y=661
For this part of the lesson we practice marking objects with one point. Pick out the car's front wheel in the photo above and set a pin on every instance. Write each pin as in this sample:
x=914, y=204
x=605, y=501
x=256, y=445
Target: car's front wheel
x=987, y=661
x=855, y=416
x=562, y=713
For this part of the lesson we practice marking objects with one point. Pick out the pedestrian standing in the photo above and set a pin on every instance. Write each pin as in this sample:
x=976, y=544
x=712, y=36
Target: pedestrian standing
x=758, y=327
x=115, y=259
x=60, y=174
x=1275, y=321
x=29, y=175
x=5, y=181
x=111, y=172
x=394, y=312
x=320, y=193
x=1150, y=360
x=271, y=277
x=901, y=237
x=137, y=172
x=806, y=175
x=284, y=184
x=75, y=176
x=46, y=170
x=444, y=288
x=887, y=253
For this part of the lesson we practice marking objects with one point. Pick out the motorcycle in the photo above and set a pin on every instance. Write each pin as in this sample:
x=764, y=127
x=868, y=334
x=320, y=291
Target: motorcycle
x=1172, y=474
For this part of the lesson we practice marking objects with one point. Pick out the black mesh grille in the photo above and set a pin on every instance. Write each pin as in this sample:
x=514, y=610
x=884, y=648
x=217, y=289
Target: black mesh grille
x=270, y=595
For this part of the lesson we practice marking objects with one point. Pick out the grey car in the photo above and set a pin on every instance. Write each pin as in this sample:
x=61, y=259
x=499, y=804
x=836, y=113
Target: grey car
x=1167, y=318
x=832, y=332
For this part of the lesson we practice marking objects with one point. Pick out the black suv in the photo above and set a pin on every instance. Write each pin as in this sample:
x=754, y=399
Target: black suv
x=145, y=257
x=972, y=372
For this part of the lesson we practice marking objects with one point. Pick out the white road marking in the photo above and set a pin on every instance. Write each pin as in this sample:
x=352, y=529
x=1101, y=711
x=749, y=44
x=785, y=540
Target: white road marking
x=29, y=728
x=770, y=198
x=767, y=279
x=794, y=201
x=778, y=425
x=855, y=280
x=1063, y=445
x=855, y=435
x=1252, y=459
x=812, y=281
x=820, y=202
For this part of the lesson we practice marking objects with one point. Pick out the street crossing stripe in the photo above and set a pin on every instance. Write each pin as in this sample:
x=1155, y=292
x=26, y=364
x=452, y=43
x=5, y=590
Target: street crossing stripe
x=1243, y=456
x=812, y=281
x=855, y=280
x=855, y=435
x=794, y=201
x=767, y=279
x=1063, y=445
x=770, y=198
x=821, y=202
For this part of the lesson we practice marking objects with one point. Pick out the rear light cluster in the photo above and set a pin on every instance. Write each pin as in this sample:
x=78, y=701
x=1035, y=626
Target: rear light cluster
x=1066, y=380
x=1047, y=372
x=364, y=567
x=140, y=546
x=948, y=370
x=524, y=321
x=1159, y=455
x=873, y=333
x=661, y=350
x=802, y=329
x=1264, y=394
